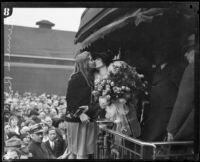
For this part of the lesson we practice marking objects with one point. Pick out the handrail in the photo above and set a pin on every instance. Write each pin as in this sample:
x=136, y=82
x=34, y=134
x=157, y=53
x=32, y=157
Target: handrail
x=172, y=143
x=153, y=144
x=127, y=137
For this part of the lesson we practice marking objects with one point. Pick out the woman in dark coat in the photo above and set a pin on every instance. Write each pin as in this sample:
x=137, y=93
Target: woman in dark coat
x=81, y=129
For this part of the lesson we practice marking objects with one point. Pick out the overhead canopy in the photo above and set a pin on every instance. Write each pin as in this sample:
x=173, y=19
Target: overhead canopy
x=136, y=17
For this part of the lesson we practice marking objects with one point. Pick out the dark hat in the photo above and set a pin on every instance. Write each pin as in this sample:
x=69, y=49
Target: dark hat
x=57, y=121
x=36, y=119
x=33, y=112
x=13, y=134
x=27, y=122
x=24, y=135
x=36, y=128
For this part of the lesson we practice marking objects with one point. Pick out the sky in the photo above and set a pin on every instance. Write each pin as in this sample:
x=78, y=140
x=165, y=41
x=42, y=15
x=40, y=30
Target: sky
x=64, y=18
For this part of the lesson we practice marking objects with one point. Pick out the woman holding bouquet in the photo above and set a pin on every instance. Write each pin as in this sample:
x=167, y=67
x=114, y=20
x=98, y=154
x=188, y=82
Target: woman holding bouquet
x=80, y=126
x=109, y=85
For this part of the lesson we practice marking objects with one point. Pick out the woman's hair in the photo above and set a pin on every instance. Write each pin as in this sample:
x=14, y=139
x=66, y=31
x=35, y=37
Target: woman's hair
x=107, y=57
x=82, y=66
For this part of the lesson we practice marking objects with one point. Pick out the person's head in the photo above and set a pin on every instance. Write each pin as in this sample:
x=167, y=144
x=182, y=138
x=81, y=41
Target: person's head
x=26, y=138
x=102, y=58
x=190, y=48
x=46, y=109
x=57, y=122
x=45, y=128
x=7, y=128
x=36, y=132
x=24, y=130
x=62, y=109
x=48, y=121
x=36, y=118
x=61, y=124
x=30, y=123
x=42, y=115
x=84, y=64
x=13, y=121
x=52, y=134
x=53, y=112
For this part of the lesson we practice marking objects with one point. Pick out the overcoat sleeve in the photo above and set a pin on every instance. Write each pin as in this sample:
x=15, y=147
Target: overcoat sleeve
x=184, y=101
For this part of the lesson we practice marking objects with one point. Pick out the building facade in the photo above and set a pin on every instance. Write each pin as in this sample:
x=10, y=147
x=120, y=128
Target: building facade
x=39, y=59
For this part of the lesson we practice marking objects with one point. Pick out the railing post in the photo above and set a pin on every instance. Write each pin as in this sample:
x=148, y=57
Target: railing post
x=100, y=145
x=105, y=146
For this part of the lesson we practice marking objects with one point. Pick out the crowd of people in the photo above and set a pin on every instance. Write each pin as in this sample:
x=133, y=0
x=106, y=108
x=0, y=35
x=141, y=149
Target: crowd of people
x=34, y=126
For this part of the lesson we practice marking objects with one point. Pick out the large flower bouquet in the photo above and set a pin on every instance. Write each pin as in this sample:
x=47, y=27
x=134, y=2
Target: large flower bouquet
x=122, y=86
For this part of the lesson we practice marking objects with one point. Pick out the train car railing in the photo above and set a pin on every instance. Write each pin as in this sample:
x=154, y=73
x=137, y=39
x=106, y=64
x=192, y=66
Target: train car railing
x=114, y=145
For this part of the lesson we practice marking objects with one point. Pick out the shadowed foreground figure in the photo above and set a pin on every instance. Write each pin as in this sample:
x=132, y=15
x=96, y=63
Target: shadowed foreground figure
x=164, y=90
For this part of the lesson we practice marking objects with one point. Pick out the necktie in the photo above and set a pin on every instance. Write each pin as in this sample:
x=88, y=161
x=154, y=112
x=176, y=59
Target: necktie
x=52, y=145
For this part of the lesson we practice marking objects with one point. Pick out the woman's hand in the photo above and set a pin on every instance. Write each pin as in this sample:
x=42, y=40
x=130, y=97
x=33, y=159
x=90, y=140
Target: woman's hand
x=84, y=118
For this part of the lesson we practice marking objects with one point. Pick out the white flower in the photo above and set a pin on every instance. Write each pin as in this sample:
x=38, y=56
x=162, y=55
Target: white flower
x=112, y=83
x=118, y=63
x=123, y=87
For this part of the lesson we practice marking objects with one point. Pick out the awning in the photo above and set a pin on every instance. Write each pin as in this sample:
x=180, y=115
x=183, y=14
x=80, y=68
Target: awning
x=138, y=16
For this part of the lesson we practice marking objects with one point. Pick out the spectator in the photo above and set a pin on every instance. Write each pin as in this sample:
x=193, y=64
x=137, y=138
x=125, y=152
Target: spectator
x=61, y=135
x=6, y=131
x=61, y=110
x=53, y=113
x=42, y=115
x=24, y=130
x=12, y=150
x=36, y=148
x=13, y=122
x=36, y=119
x=48, y=121
x=52, y=144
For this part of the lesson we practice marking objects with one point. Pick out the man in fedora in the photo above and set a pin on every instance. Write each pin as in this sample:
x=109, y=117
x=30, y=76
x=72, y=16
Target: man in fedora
x=36, y=147
x=181, y=123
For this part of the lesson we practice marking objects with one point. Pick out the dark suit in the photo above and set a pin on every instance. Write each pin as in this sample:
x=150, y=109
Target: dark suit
x=181, y=123
x=52, y=152
x=38, y=151
x=164, y=90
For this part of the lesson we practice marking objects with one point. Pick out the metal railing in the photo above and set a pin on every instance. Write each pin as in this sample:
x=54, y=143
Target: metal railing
x=114, y=145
